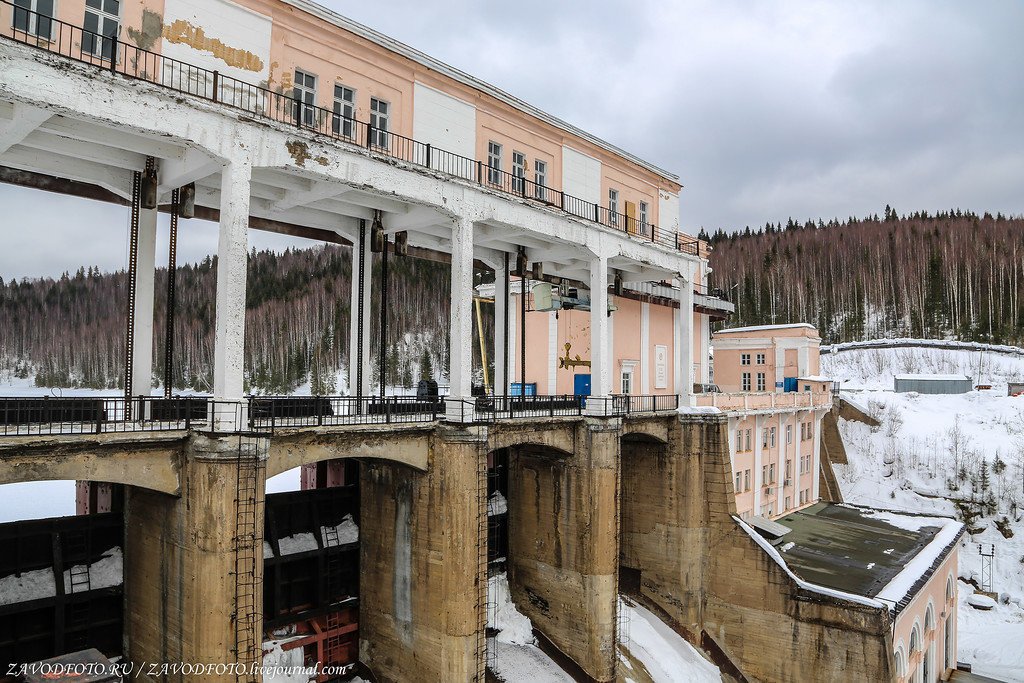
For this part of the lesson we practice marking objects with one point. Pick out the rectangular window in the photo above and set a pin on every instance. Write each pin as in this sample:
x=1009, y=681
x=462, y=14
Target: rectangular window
x=744, y=359
x=304, y=93
x=642, y=217
x=789, y=499
x=810, y=430
x=540, y=179
x=760, y=359
x=739, y=482
x=760, y=381
x=344, y=111
x=34, y=17
x=380, y=119
x=789, y=468
x=771, y=473
x=746, y=381
x=789, y=433
x=627, y=382
x=739, y=440
x=519, y=173
x=764, y=475
x=493, y=163
x=771, y=437
x=764, y=438
x=749, y=447
x=746, y=480
x=101, y=27
x=803, y=430
x=613, y=207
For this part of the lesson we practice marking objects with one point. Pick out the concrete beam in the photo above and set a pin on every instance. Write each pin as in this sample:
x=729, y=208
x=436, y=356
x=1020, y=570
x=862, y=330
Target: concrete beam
x=25, y=120
x=115, y=180
x=112, y=137
x=409, y=446
x=86, y=151
x=150, y=461
x=191, y=167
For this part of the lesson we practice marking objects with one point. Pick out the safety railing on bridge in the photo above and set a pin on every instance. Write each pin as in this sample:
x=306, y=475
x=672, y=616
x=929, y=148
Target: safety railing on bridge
x=110, y=53
x=491, y=408
x=277, y=412
x=23, y=416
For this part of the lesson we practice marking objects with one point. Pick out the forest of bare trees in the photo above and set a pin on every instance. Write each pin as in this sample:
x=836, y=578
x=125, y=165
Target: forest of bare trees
x=70, y=331
x=949, y=275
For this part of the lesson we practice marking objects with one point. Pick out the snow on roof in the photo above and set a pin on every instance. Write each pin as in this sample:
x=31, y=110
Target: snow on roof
x=815, y=378
x=812, y=587
x=937, y=378
x=760, y=328
x=875, y=554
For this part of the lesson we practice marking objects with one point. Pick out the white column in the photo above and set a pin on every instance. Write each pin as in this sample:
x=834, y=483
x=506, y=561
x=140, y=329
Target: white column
x=353, y=344
x=780, y=368
x=460, y=400
x=145, y=285
x=232, y=253
x=705, y=349
x=645, y=348
x=780, y=468
x=803, y=361
x=758, y=483
x=600, y=337
x=816, y=454
x=683, y=361
x=552, y=353
x=501, y=347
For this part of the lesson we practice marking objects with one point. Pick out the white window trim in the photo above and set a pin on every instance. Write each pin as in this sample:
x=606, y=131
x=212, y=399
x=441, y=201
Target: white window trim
x=341, y=119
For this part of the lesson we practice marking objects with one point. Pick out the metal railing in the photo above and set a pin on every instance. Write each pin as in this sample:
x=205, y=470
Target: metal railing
x=24, y=416
x=628, y=404
x=110, y=53
x=491, y=408
x=276, y=412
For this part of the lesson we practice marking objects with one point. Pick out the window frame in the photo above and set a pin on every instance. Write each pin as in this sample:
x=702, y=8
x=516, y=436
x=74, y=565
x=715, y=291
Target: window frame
x=304, y=97
x=613, y=206
x=344, y=124
x=518, y=172
x=495, y=150
x=540, y=179
x=744, y=359
x=32, y=16
x=745, y=381
x=380, y=122
x=761, y=382
x=102, y=44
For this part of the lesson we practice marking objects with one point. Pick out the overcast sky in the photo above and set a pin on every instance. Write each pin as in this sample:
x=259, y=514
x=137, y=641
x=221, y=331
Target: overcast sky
x=766, y=110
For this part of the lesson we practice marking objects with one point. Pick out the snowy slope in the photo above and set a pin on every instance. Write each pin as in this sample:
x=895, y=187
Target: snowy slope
x=663, y=654
x=941, y=454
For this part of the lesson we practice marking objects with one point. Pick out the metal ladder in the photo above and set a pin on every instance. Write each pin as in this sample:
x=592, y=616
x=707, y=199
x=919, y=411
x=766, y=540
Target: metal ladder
x=248, y=555
x=484, y=648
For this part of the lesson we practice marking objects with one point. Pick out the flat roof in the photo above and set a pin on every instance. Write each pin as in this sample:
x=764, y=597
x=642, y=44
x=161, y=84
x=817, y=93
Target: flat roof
x=426, y=60
x=935, y=378
x=859, y=550
x=761, y=328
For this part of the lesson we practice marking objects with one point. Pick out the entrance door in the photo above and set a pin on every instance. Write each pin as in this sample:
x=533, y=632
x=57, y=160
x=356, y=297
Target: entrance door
x=581, y=385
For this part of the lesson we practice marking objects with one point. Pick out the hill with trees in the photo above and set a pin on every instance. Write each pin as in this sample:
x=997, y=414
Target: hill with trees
x=70, y=331
x=953, y=274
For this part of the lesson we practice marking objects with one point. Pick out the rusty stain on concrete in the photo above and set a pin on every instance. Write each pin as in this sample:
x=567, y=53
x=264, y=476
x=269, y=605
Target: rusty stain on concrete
x=322, y=160
x=152, y=28
x=299, y=151
x=181, y=31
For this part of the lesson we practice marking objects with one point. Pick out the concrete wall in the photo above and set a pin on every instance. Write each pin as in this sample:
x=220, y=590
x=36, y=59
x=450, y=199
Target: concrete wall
x=563, y=549
x=419, y=568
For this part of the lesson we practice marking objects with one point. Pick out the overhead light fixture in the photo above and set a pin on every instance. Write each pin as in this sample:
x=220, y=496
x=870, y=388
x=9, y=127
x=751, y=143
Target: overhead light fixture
x=187, y=201
x=378, y=239
x=402, y=243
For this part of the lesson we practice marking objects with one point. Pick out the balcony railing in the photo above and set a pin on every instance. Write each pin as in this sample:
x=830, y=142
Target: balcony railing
x=767, y=400
x=111, y=54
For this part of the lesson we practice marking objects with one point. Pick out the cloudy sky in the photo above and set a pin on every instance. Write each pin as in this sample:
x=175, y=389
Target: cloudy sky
x=765, y=109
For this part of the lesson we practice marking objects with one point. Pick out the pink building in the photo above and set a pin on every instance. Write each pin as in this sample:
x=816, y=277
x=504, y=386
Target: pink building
x=767, y=382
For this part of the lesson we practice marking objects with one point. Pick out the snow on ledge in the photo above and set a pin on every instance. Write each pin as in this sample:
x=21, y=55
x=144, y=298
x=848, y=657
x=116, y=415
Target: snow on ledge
x=699, y=410
x=903, y=583
x=761, y=328
x=811, y=587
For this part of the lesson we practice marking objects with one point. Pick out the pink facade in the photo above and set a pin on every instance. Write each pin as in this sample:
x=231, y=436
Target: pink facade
x=282, y=44
x=924, y=637
x=642, y=352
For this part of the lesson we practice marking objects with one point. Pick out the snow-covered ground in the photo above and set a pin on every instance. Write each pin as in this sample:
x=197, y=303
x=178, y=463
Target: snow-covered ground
x=649, y=650
x=943, y=454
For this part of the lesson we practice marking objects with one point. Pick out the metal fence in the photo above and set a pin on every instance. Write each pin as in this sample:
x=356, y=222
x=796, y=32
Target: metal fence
x=276, y=412
x=100, y=415
x=108, y=52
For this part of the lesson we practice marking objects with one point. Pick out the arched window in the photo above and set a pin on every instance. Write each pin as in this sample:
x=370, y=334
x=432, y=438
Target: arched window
x=915, y=640
x=901, y=663
x=950, y=588
x=929, y=618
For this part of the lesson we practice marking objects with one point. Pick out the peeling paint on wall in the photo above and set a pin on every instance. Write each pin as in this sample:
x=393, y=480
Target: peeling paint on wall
x=299, y=151
x=152, y=28
x=181, y=31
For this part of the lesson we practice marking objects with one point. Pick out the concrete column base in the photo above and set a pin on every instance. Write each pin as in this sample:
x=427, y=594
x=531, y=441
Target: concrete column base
x=422, y=611
x=180, y=562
